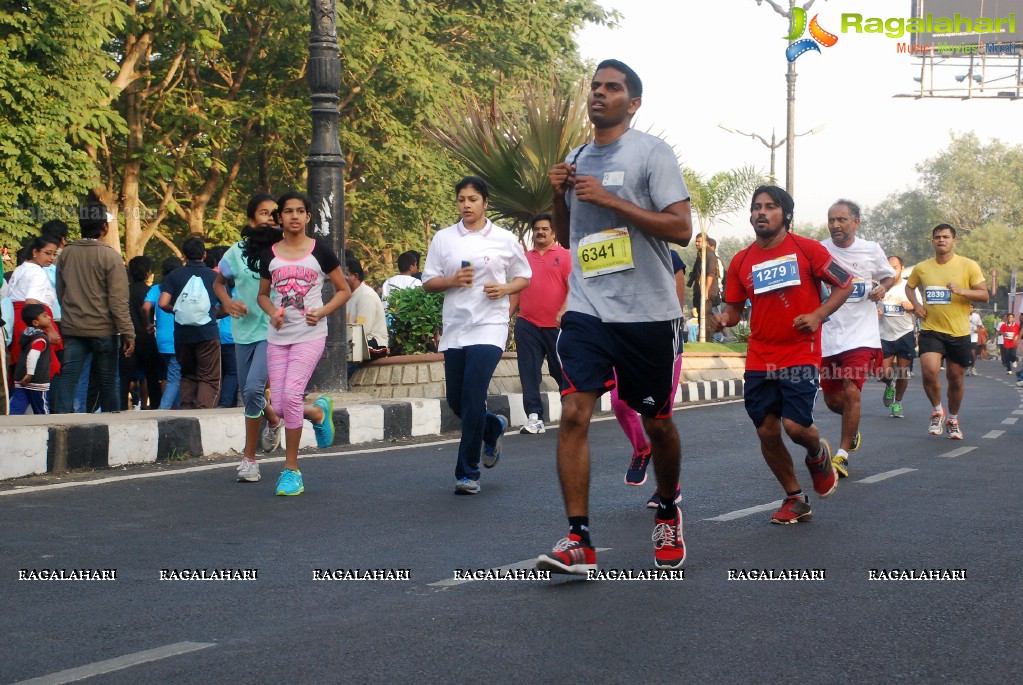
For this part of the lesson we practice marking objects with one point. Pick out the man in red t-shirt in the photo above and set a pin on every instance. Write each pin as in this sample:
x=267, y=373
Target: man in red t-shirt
x=1009, y=330
x=782, y=274
x=541, y=305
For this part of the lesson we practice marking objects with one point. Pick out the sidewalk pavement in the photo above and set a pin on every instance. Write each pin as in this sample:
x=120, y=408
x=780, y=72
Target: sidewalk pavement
x=34, y=445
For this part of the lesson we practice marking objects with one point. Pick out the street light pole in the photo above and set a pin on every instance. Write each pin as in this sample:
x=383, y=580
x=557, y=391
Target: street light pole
x=790, y=110
x=773, y=145
x=790, y=125
x=325, y=184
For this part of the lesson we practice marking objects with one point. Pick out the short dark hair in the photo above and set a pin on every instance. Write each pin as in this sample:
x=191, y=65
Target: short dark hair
x=713, y=243
x=256, y=200
x=55, y=227
x=31, y=312
x=170, y=264
x=854, y=208
x=407, y=260
x=942, y=227
x=632, y=80
x=139, y=268
x=215, y=254
x=540, y=217
x=194, y=249
x=294, y=195
x=92, y=218
x=476, y=182
x=354, y=266
x=898, y=259
x=781, y=198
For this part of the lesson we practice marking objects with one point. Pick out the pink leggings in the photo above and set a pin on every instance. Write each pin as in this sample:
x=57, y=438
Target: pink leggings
x=629, y=419
x=291, y=367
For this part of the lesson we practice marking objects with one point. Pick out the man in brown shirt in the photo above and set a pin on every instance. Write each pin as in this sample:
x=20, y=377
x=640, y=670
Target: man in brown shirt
x=92, y=287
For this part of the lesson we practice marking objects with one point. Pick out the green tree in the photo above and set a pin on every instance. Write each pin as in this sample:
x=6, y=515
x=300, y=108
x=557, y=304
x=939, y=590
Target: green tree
x=996, y=247
x=403, y=62
x=173, y=112
x=972, y=182
x=901, y=224
x=159, y=45
x=54, y=96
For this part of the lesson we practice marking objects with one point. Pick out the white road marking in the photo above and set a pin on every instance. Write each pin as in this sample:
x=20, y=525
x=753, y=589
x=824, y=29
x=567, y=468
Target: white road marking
x=884, y=476
x=119, y=663
x=956, y=453
x=1018, y=412
x=738, y=514
x=524, y=564
x=1009, y=421
x=993, y=434
x=20, y=490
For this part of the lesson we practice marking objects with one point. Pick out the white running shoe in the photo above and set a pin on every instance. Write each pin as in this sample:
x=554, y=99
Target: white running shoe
x=248, y=471
x=533, y=425
x=271, y=437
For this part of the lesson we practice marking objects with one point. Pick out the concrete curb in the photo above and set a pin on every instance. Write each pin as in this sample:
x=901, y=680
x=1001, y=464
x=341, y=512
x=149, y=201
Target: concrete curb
x=40, y=446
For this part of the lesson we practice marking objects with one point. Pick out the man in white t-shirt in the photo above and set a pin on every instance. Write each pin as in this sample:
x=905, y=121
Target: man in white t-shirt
x=408, y=264
x=897, y=324
x=850, y=338
x=976, y=323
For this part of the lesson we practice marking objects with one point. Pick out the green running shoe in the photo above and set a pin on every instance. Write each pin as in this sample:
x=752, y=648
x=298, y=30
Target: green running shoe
x=889, y=394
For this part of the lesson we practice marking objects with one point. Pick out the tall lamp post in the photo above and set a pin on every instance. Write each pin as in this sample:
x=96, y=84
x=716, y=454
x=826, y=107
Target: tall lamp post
x=790, y=111
x=772, y=145
x=325, y=185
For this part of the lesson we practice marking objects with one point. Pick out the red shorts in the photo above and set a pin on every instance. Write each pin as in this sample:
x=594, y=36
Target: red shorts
x=852, y=365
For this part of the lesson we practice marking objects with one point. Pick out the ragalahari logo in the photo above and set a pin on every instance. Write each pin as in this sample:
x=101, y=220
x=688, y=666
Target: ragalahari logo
x=798, y=27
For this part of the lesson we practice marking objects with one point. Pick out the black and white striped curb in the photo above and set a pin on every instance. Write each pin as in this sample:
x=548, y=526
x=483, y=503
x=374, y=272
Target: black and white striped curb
x=133, y=438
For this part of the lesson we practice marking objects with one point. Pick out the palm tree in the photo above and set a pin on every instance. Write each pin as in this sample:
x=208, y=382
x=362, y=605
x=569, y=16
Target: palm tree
x=723, y=193
x=513, y=150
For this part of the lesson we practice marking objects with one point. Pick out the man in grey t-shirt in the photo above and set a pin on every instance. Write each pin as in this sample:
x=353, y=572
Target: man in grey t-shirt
x=617, y=201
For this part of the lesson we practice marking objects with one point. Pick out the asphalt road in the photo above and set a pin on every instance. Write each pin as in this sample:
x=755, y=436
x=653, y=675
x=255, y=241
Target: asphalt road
x=936, y=504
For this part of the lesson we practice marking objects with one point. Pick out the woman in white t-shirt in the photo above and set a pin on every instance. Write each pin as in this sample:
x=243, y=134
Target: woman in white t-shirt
x=477, y=266
x=31, y=285
x=292, y=272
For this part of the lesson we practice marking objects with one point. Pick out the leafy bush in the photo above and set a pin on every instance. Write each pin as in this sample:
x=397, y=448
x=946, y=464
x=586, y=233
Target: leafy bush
x=741, y=331
x=415, y=320
x=991, y=324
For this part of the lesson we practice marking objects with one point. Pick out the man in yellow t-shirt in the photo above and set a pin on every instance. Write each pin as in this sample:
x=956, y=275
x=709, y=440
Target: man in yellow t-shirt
x=948, y=283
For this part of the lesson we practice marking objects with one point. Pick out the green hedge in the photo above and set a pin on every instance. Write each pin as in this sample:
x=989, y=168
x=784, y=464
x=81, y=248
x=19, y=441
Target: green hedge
x=415, y=320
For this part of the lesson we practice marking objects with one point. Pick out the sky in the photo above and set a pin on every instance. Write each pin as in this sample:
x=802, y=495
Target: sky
x=723, y=61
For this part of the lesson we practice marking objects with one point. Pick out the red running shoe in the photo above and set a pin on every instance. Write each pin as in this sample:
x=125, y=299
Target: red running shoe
x=669, y=547
x=793, y=510
x=570, y=555
x=822, y=471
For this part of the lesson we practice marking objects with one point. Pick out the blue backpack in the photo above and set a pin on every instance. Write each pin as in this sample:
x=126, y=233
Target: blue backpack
x=192, y=307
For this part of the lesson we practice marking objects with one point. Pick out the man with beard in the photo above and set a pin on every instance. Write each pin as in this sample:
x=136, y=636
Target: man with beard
x=781, y=274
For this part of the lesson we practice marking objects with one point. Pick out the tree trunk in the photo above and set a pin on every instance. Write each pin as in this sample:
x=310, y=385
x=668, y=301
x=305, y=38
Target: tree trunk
x=134, y=118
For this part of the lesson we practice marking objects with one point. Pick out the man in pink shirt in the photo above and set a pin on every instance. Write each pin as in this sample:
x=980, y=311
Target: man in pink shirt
x=541, y=305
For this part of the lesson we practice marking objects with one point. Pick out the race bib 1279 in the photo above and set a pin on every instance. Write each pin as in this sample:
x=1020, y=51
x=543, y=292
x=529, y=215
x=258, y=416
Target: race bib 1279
x=775, y=274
